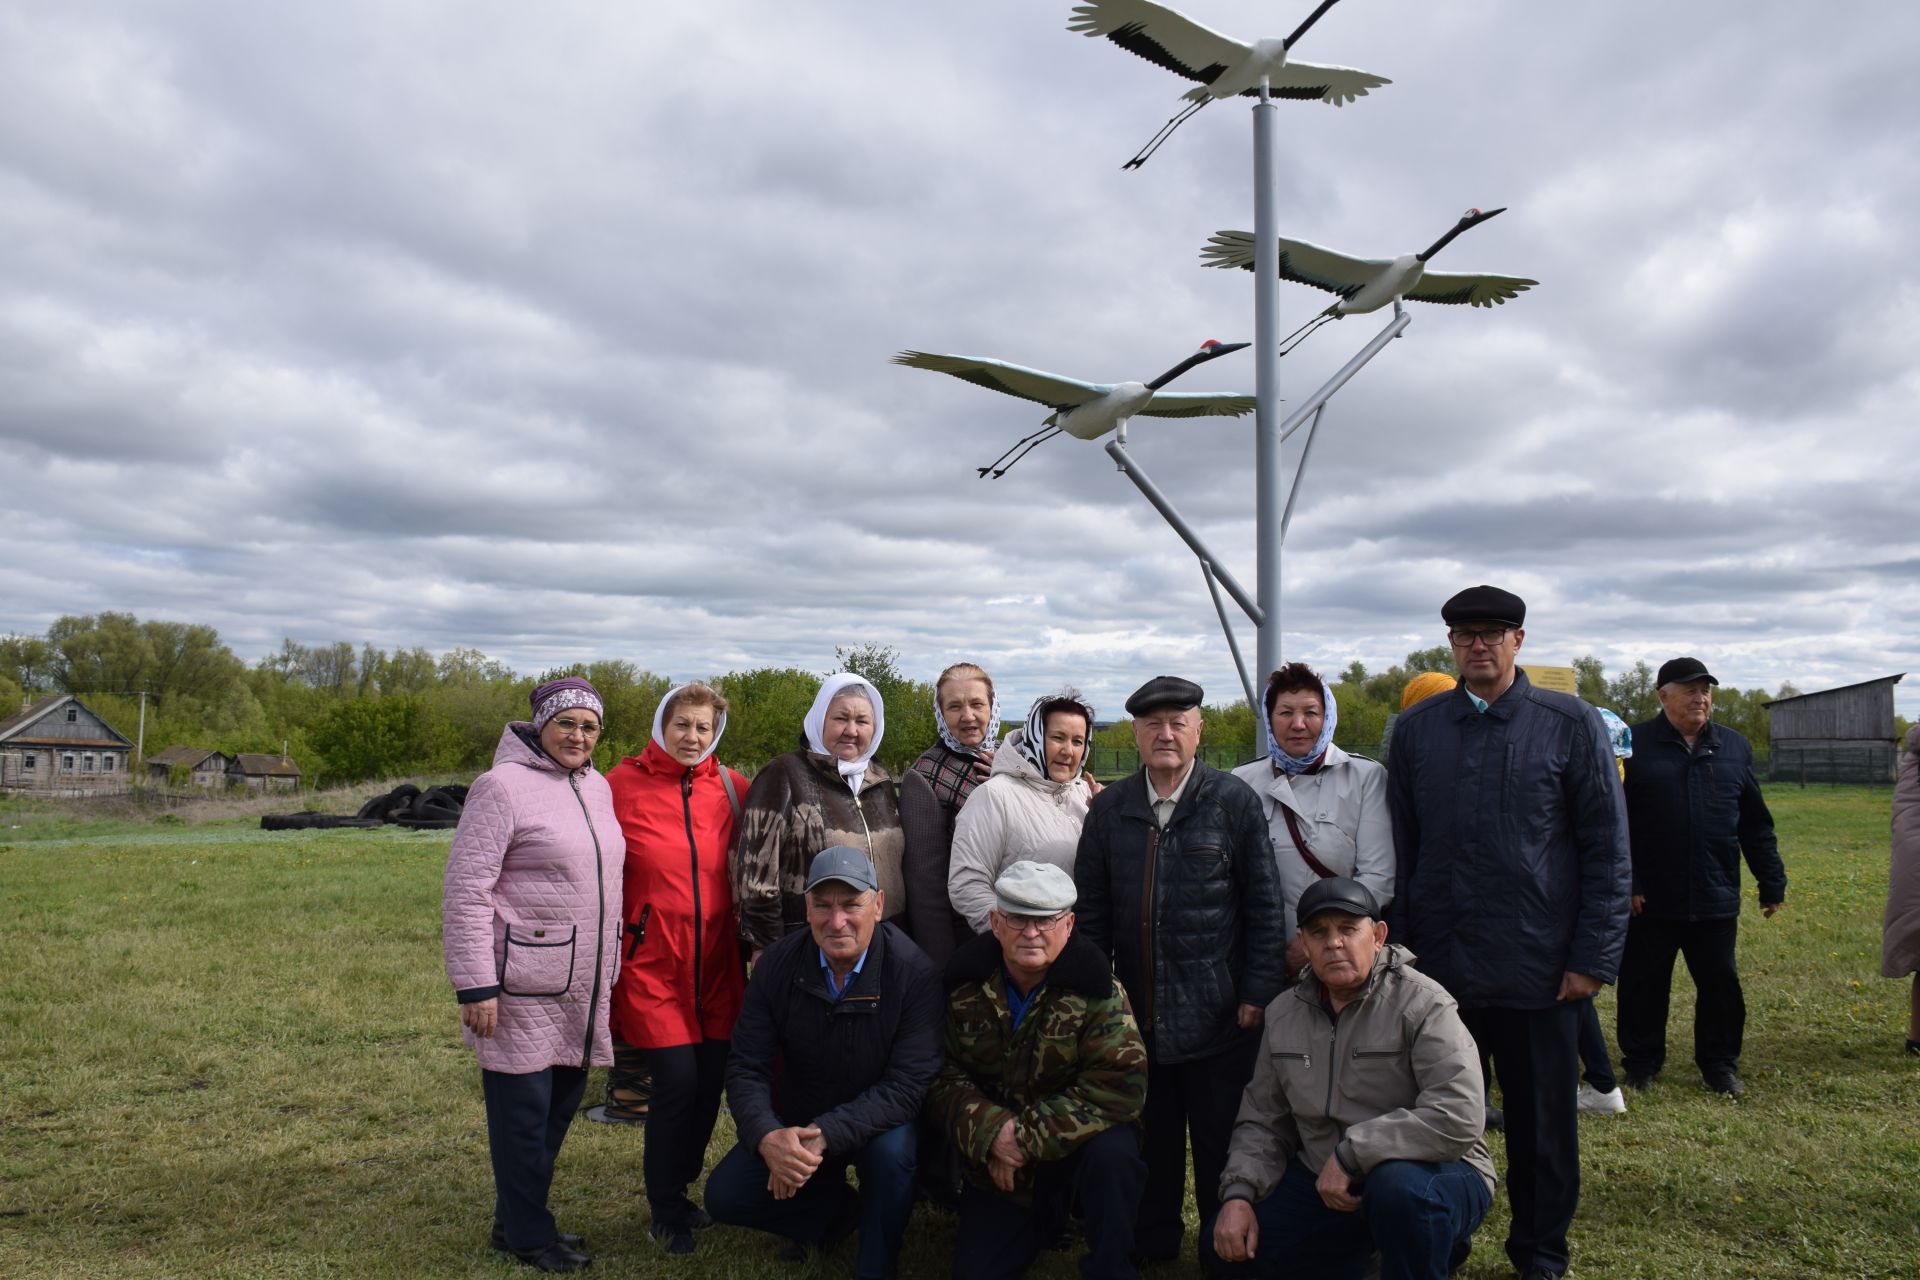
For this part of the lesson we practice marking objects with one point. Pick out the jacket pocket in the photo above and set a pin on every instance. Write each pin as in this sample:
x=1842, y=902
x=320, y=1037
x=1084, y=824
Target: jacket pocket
x=1292, y=1057
x=637, y=931
x=538, y=961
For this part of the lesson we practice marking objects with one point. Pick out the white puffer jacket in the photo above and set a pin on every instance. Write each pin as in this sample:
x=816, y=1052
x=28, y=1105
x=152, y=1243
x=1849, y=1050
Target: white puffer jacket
x=1017, y=814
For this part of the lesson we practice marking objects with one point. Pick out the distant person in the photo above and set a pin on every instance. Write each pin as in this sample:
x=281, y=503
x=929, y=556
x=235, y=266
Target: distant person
x=1693, y=808
x=835, y=1047
x=530, y=921
x=833, y=792
x=1600, y=1092
x=1326, y=810
x=1336, y=1154
x=1041, y=1085
x=1176, y=883
x=1030, y=810
x=681, y=975
x=1511, y=841
x=966, y=715
x=1900, y=939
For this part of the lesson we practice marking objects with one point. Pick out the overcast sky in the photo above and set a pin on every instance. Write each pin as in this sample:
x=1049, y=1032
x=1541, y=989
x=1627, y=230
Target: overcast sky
x=562, y=331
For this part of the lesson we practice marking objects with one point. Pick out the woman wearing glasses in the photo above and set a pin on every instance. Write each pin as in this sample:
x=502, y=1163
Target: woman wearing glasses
x=1030, y=810
x=530, y=921
x=1326, y=810
x=681, y=977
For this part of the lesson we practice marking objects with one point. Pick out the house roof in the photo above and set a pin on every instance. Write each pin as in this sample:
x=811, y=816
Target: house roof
x=1894, y=679
x=263, y=764
x=14, y=727
x=191, y=757
x=22, y=719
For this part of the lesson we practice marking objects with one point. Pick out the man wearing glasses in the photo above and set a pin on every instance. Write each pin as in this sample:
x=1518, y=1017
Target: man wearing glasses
x=1041, y=1085
x=1510, y=839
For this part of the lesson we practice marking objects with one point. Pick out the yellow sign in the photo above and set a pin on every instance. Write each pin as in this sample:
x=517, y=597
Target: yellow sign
x=1558, y=679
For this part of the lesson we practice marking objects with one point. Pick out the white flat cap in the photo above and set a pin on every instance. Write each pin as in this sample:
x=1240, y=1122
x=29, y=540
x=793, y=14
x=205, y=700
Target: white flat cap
x=1033, y=889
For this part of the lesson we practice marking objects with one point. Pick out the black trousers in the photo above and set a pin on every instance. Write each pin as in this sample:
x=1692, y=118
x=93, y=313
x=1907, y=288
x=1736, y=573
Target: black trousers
x=999, y=1237
x=1594, y=1062
x=1201, y=1099
x=1537, y=1060
x=687, y=1082
x=1646, y=983
x=527, y=1120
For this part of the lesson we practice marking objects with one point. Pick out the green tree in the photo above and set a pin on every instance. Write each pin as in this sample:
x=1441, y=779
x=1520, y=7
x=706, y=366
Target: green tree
x=1631, y=696
x=27, y=661
x=769, y=705
x=1590, y=680
x=372, y=738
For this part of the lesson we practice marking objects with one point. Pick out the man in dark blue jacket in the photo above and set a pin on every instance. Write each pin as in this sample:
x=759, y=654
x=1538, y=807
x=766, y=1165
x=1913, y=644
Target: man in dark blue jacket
x=1693, y=808
x=1177, y=882
x=836, y=1044
x=1511, y=843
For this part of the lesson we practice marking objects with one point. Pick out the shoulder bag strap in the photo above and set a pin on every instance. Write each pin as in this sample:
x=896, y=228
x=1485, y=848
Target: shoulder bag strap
x=1299, y=842
x=733, y=797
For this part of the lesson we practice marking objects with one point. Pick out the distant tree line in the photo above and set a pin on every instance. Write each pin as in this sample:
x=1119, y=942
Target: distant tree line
x=347, y=714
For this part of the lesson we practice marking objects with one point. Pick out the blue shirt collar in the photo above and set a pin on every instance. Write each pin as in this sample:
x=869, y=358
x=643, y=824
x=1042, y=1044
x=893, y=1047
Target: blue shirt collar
x=836, y=990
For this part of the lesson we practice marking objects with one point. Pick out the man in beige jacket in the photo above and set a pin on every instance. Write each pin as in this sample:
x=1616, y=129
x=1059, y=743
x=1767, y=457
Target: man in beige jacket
x=1361, y=1128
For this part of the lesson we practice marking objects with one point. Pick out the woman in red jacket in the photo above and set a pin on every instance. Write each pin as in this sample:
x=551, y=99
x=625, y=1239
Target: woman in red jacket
x=681, y=976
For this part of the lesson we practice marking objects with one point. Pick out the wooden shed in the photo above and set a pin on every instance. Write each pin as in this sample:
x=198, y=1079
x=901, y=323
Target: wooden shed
x=205, y=768
x=1836, y=735
x=264, y=771
x=58, y=746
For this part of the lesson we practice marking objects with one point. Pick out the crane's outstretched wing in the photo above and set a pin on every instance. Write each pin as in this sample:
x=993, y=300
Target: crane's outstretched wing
x=1161, y=36
x=1307, y=80
x=1049, y=389
x=1310, y=264
x=1458, y=286
x=1198, y=404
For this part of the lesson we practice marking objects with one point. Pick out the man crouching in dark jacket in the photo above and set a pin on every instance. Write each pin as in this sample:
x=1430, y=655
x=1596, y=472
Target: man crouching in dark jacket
x=1177, y=883
x=850, y=1012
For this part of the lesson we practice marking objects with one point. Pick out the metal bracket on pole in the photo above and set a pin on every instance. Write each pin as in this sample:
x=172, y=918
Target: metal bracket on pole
x=1220, y=607
x=1119, y=454
x=1299, y=474
x=1311, y=405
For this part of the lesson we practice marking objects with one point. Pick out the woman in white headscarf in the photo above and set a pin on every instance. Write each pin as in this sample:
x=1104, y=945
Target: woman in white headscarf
x=833, y=792
x=1326, y=810
x=1030, y=810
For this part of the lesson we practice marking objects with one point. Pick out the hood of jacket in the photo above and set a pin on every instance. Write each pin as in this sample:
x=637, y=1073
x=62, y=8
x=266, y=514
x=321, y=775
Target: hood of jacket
x=1008, y=761
x=520, y=745
x=655, y=760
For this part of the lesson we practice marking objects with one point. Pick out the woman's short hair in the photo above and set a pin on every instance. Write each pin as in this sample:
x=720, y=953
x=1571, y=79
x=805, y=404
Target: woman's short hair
x=696, y=694
x=962, y=671
x=1295, y=677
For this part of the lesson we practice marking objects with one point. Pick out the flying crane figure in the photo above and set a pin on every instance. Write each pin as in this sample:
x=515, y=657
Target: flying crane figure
x=1223, y=66
x=1368, y=284
x=1086, y=410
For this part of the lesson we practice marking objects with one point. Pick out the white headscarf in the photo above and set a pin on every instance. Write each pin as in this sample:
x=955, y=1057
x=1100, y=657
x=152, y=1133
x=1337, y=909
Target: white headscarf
x=854, y=771
x=660, y=722
x=992, y=726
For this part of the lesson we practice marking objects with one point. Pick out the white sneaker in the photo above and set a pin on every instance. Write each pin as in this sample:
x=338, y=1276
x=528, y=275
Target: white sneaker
x=1604, y=1104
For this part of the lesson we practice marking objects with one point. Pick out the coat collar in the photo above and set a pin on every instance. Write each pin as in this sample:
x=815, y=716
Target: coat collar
x=1081, y=968
x=1391, y=956
x=867, y=989
x=1502, y=708
x=1664, y=730
x=828, y=767
x=1135, y=790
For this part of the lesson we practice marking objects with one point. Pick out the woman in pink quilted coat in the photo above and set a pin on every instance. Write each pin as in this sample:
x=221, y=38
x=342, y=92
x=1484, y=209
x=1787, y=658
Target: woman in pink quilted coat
x=530, y=921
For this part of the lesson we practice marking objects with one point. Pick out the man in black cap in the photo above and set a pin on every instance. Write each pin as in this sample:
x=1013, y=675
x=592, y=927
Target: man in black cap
x=1361, y=1128
x=1510, y=837
x=1693, y=807
x=1176, y=882
x=836, y=1044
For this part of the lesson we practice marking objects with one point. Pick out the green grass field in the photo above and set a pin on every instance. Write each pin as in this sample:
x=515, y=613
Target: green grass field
x=227, y=1052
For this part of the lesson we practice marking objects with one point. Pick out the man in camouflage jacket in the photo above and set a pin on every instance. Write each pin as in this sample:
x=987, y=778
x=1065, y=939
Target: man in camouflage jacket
x=1042, y=1083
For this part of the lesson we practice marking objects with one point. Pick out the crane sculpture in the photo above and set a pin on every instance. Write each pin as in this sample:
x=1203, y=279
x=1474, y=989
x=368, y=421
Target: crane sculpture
x=1222, y=65
x=1085, y=410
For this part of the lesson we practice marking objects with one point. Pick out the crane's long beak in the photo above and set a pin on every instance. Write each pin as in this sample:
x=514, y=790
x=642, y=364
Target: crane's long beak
x=1472, y=218
x=1197, y=358
x=1312, y=18
x=1225, y=348
x=1481, y=215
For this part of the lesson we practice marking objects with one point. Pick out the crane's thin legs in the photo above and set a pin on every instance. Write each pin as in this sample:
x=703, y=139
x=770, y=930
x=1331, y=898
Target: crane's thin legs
x=1166, y=131
x=1038, y=438
x=1305, y=331
x=1035, y=438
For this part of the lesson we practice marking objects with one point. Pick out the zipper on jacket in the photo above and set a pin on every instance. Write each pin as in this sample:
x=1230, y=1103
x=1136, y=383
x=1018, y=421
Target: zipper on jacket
x=693, y=858
x=599, y=924
x=1333, y=1060
x=1147, y=921
x=862, y=811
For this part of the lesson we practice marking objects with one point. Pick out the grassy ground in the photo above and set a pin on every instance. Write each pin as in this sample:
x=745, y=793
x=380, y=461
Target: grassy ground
x=227, y=1052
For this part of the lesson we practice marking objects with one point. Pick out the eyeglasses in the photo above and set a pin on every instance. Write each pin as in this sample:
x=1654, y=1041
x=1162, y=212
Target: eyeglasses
x=584, y=728
x=1039, y=924
x=1491, y=637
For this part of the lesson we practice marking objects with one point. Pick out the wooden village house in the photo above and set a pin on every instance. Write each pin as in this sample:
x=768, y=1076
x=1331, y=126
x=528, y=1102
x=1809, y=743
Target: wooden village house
x=264, y=771
x=198, y=766
x=1836, y=735
x=58, y=746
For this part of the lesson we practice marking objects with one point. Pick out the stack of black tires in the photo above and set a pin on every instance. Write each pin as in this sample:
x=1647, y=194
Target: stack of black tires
x=436, y=808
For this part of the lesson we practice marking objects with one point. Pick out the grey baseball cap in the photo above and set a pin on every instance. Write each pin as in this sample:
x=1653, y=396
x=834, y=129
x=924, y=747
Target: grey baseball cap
x=844, y=863
x=1034, y=889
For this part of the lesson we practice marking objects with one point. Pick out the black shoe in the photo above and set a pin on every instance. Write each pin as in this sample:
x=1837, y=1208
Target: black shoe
x=678, y=1235
x=1496, y=1120
x=555, y=1257
x=792, y=1251
x=1539, y=1273
x=696, y=1217
x=1913, y=1047
x=1639, y=1084
x=1727, y=1084
x=497, y=1238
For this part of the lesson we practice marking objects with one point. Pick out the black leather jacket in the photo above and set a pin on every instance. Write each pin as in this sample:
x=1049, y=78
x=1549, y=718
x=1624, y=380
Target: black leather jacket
x=1691, y=813
x=1192, y=915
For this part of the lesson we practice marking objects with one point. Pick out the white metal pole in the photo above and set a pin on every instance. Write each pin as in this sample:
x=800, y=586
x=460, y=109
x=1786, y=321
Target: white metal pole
x=1269, y=483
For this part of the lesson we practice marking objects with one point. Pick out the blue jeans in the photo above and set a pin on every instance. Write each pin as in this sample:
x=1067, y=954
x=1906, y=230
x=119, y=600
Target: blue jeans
x=1413, y=1212
x=737, y=1193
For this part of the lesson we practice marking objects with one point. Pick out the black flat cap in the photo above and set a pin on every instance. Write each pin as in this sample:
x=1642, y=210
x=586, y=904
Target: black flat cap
x=1485, y=604
x=1683, y=671
x=1164, y=691
x=1336, y=893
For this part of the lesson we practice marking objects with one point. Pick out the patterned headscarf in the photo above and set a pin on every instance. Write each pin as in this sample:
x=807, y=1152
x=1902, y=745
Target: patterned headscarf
x=660, y=723
x=854, y=771
x=946, y=734
x=1033, y=739
x=1291, y=765
x=553, y=697
x=1619, y=733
